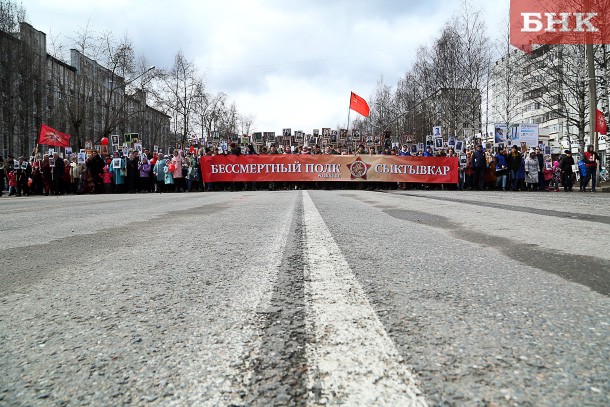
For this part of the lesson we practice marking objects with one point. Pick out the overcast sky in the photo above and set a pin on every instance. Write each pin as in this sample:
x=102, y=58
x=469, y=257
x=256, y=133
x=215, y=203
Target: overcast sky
x=286, y=63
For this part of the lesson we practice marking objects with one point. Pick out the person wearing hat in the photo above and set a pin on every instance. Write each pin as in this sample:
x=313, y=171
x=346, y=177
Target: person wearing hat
x=567, y=176
x=514, y=164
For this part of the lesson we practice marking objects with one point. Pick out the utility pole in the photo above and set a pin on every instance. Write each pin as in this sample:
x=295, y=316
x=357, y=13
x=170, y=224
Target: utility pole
x=592, y=89
x=592, y=97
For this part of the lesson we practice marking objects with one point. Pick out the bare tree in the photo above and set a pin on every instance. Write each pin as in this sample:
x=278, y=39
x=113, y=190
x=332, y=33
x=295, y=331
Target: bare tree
x=507, y=77
x=56, y=48
x=118, y=56
x=181, y=88
x=245, y=123
x=558, y=81
x=473, y=62
x=11, y=15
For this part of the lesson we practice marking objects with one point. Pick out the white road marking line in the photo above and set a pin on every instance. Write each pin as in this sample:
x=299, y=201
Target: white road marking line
x=352, y=359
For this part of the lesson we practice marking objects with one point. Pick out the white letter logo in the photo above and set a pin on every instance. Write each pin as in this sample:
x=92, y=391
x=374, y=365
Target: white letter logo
x=564, y=22
x=529, y=19
x=580, y=21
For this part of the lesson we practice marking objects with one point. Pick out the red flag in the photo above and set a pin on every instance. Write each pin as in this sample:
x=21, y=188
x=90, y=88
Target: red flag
x=358, y=104
x=52, y=137
x=601, y=126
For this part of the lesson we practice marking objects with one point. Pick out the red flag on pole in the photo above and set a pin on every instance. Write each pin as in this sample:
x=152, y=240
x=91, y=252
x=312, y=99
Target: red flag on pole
x=358, y=104
x=51, y=137
x=601, y=126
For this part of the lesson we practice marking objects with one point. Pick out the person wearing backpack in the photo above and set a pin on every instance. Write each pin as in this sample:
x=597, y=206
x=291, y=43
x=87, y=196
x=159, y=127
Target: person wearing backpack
x=582, y=169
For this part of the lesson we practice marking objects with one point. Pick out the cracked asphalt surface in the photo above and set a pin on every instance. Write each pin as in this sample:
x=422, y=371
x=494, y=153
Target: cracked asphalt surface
x=486, y=299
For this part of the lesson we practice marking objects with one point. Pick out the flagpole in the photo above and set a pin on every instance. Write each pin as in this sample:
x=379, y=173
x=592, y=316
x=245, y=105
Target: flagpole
x=348, y=118
x=349, y=111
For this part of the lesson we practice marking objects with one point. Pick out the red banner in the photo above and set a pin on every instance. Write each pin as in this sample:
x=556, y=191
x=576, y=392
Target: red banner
x=367, y=168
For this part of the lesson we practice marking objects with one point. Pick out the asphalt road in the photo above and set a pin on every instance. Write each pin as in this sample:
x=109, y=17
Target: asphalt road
x=306, y=298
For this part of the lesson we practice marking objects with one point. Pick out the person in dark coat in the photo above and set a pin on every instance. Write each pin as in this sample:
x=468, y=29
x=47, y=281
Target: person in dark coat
x=58, y=174
x=514, y=164
x=23, y=172
x=540, y=158
x=567, y=176
x=479, y=164
x=95, y=166
x=133, y=173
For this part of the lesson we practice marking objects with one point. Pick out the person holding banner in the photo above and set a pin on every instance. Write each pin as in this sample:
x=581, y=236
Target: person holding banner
x=405, y=151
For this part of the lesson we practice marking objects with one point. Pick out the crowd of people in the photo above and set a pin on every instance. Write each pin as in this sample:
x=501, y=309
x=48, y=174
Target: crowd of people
x=149, y=172
x=515, y=170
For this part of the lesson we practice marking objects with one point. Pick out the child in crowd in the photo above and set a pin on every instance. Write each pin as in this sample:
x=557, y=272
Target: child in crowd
x=107, y=179
x=556, y=177
x=12, y=183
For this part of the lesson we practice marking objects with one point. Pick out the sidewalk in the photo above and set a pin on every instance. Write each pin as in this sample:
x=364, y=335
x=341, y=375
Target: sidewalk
x=605, y=187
